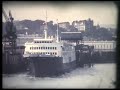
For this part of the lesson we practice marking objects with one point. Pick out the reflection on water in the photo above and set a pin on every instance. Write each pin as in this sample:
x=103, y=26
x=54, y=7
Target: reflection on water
x=99, y=76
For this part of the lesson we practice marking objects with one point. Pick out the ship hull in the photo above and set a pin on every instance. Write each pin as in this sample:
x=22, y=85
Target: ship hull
x=48, y=66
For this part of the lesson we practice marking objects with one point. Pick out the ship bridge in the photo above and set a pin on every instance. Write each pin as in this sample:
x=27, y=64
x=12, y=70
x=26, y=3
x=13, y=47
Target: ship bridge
x=43, y=40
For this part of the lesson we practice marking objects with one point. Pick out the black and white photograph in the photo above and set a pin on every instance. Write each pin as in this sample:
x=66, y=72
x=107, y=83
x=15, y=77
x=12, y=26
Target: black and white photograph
x=59, y=45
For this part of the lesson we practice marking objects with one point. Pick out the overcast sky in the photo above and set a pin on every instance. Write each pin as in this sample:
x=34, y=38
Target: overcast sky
x=100, y=12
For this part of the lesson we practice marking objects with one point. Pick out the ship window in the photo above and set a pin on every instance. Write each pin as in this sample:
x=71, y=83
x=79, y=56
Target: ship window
x=43, y=47
x=48, y=47
x=55, y=48
x=42, y=41
x=30, y=48
x=104, y=46
x=39, y=47
x=33, y=47
x=36, y=47
x=55, y=53
x=110, y=47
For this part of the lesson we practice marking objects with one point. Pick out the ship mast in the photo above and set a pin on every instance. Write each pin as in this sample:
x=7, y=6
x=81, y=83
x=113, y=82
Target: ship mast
x=46, y=27
x=57, y=32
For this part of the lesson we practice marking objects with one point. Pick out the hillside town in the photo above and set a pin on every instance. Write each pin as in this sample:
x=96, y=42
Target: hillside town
x=86, y=27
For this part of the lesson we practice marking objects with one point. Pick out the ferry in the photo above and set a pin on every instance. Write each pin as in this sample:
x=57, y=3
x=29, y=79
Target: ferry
x=49, y=56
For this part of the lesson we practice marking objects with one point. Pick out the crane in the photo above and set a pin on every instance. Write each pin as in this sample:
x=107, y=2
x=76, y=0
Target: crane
x=12, y=54
x=10, y=30
x=5, y=15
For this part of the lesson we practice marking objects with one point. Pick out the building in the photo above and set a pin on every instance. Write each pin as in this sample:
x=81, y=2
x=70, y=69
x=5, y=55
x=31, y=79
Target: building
x=64, y=25
x=83, y=25
x=103, y=46
x=79, y=25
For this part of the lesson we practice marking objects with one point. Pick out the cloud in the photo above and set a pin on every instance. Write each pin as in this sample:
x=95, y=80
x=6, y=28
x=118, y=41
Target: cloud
x=100, y=12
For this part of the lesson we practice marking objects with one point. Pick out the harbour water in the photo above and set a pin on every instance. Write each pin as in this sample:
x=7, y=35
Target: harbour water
x=99, y=76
